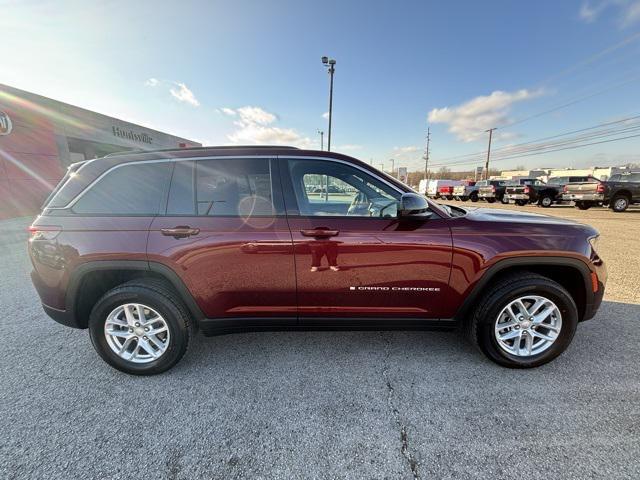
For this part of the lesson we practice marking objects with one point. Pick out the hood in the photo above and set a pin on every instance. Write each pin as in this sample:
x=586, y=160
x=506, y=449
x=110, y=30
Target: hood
x=514, y=216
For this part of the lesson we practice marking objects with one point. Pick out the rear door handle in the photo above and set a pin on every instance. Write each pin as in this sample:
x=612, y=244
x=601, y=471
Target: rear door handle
x=179, y=232
x=320, y=233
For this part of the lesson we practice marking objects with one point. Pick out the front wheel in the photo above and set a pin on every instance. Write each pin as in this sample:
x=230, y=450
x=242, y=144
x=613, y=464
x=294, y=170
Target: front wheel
x=140, y=327
x=473, y=197
x=521, y=203
x=546, y=201
x=524, y=321
x=490, y=200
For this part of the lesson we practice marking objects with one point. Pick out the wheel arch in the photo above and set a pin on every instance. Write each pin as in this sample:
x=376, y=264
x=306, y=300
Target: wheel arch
x=92, y=279
x=573, y=274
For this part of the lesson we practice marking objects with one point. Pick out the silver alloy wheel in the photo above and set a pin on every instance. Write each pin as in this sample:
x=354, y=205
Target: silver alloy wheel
x=546, y=201
x=528, y=326
x=136, y=333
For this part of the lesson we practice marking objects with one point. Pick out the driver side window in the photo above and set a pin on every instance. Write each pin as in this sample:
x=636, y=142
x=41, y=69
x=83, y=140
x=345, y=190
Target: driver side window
x=327, y=188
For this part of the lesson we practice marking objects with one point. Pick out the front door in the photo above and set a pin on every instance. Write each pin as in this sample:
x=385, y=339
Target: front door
x=354, y=257
x=225, y=234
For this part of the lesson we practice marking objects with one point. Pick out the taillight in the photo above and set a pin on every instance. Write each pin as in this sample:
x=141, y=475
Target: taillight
x=493, y=188
x=600, y=188
x=526, y=190
x=565, y=189
x=38, y=232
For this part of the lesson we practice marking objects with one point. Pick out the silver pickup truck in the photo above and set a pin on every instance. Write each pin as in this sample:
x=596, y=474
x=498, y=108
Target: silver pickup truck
x=467, y=192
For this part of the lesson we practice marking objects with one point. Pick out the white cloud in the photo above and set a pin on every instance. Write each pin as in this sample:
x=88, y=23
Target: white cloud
x=255, y=127
x=404, y=150
x=469, y=120
x=628, y=11
x=152, y=82
x=227, y=111
x=325, y=115
x=183, y=94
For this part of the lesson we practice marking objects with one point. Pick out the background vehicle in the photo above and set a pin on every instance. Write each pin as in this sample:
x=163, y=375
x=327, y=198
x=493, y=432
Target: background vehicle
x=231, y=239
x=434, y=186
x=496, y=189
x=620, y=191
x=544, y=194
x=466, y=191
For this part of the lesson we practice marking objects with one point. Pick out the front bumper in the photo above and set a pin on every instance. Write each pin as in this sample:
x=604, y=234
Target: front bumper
x=63, y=317
x=583, y=197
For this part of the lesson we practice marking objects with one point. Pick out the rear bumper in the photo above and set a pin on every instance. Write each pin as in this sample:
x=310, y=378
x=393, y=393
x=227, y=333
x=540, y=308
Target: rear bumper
x=516, y=196
x=63, y=317
x=486, y=195
x=583, y=197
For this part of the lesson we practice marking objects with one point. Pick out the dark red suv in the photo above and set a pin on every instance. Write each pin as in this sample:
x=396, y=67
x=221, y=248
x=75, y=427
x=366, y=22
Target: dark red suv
x=145, y=248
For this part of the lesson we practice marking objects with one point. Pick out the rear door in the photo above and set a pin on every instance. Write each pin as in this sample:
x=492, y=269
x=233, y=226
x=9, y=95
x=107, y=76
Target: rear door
x=354, y=258
x=225, y=234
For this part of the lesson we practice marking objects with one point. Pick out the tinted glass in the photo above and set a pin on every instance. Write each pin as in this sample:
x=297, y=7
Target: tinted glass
x=127, y=190
x=333, y=188
x=182, y=194
x=234, y=187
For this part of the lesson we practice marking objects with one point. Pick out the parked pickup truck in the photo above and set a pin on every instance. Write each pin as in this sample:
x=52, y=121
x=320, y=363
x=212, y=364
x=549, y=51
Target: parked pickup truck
x=620, y=191
x=468, y=191
x=496, y=189
x=544, y=194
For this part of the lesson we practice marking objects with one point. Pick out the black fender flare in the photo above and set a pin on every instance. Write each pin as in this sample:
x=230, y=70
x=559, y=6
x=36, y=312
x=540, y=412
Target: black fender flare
x=524, y=262
x=131, y=265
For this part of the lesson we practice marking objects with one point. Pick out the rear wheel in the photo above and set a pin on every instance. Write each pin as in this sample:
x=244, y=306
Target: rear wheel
x=521, y=203
x=490, y=200
x=140, y=327
x=473, y=197
x=525, y=320
x=583, y=205
x=619, y=203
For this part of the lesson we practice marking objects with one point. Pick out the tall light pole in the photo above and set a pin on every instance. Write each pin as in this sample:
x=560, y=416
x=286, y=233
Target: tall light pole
x=321, y=139
x=393, y=162
x=330, y=63
x=426, y=154
x=486, y=165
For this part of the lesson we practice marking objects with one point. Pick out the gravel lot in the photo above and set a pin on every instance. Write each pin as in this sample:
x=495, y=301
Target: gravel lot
x=324, y=405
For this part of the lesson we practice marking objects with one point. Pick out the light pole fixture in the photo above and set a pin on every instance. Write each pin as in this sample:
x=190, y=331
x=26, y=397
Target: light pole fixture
x=321, y=139
x=330, y=63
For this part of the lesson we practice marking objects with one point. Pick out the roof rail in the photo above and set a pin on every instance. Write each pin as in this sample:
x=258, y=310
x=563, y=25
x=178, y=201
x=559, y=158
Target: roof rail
x=220, y=147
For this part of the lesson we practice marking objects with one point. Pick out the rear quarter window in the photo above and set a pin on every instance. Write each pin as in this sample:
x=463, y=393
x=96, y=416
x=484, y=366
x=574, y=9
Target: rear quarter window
x=136, y=189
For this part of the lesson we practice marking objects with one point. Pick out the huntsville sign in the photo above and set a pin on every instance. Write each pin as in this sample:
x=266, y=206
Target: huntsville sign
x=131, y=135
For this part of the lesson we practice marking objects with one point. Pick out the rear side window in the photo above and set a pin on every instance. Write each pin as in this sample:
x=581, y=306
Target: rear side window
x=222, y=187
x=127, y=190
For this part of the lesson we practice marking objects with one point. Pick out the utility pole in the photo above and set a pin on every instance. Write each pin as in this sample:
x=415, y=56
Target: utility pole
x=486, y=165
x=321, y=139
x=382, y=166
x=331, y=65
x=426, y=154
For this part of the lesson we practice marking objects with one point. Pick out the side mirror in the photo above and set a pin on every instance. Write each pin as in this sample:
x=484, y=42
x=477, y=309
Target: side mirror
x=413, y=206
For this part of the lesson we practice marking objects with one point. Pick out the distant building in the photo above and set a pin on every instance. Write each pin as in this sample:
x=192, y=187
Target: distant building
x=518, y=174
x=601, y=173
x=40, y=137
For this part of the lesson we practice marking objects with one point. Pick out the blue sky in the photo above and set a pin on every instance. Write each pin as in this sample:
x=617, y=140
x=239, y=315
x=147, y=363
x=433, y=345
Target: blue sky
x=250, y=71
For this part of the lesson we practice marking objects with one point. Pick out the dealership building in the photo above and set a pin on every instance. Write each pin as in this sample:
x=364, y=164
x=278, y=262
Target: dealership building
x=40, y=137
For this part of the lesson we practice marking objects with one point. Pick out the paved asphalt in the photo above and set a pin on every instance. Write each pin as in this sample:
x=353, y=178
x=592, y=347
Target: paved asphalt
x=312, y=405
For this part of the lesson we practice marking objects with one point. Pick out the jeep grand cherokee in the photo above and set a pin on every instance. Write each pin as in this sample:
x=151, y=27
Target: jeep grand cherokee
x=143, y=249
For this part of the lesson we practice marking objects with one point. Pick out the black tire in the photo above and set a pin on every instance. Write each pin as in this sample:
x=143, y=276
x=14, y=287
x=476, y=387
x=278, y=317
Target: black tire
x=474, y=197
x=464, y=199
x=521, y=203
x=480, y=327
x=504, y=200
x=545, y=201
x=583, y=205
x=619, y=203
x=490, y=200
x=153, y=294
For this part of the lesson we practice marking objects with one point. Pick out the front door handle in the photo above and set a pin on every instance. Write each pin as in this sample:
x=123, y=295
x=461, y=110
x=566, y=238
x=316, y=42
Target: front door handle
x=180, y=231
x=320, y=233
